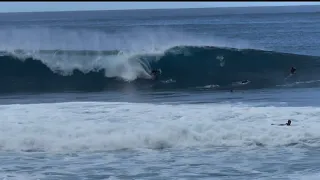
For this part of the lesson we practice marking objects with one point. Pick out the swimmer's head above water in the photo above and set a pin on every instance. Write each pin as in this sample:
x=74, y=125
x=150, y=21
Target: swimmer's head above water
x=288, y=123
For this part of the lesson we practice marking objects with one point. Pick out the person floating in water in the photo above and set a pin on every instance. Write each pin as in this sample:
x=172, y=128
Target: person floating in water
x=155, y=74
x=293, y=70
x=286, y=124
x=245, y=81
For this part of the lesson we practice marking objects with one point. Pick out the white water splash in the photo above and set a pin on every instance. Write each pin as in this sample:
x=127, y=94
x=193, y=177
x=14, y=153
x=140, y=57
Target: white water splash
x=109, y=126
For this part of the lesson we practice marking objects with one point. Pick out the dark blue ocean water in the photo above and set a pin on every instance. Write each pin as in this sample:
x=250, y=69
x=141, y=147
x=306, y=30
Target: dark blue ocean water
x=78, y=100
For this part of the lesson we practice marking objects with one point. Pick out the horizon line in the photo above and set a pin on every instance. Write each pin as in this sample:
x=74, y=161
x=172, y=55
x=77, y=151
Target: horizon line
x=225, y=7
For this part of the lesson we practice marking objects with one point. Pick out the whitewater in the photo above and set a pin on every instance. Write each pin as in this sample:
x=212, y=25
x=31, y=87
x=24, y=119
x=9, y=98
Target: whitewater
x=77, y=99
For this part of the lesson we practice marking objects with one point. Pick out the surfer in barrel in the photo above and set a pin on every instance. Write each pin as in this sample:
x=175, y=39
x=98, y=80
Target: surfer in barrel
x=155, y=73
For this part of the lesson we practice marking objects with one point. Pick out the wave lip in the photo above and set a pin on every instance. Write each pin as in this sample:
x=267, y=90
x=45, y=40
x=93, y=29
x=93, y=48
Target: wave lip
x=181, y=66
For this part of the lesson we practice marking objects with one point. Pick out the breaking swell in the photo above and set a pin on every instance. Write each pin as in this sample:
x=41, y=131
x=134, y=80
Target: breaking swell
x=182, y=67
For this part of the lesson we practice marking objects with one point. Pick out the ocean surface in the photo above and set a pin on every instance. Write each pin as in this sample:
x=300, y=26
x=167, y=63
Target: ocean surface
x=77, y=99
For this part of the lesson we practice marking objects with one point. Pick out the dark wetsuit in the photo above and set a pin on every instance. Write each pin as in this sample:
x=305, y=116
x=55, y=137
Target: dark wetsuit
x=155, y=74
x=154, y=71
x=293, y=70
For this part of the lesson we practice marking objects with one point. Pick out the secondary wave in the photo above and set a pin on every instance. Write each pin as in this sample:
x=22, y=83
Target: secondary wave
x=182, y=67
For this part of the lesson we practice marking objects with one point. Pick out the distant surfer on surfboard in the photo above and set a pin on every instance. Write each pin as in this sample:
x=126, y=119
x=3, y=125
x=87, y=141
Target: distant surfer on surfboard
x=155, y=74
x=292, y=72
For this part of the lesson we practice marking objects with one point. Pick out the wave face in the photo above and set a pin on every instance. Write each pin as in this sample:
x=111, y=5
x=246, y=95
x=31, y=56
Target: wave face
x=182, y=67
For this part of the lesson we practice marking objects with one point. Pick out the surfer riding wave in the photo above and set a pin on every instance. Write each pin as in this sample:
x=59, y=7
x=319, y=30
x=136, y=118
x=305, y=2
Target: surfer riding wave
x=155, y=73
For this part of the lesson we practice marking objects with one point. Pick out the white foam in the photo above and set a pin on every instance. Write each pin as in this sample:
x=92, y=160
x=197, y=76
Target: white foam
x=300, y=83
x=109, y=126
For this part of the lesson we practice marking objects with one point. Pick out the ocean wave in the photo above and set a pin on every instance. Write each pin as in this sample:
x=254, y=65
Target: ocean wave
x=182, y=67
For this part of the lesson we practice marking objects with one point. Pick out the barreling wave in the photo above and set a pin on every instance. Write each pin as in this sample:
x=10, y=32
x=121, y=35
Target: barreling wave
x=182, y=67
